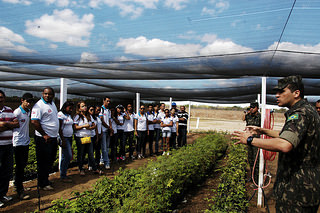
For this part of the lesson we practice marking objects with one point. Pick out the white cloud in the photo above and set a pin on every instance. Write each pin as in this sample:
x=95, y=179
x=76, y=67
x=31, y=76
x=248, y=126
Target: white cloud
x=235, y=23
x=25, y=2
x=218, y=7
x=157, y=48
x=176, y=4
x=8, y=40
x=88, y=57
x=108, y=24
x=59, y=3
x=132, y=8
x=53, y=46
x=295, y=47
x=62, y=26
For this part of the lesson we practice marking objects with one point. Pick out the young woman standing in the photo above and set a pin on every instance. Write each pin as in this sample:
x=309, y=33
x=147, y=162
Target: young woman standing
x=166, y=124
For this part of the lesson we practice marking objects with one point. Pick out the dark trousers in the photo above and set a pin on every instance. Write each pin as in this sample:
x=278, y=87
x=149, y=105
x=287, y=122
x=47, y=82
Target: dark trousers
x=122, y=144
x=150, y=140
x=157, y=138
x=46, y=155
x=6, y=168
x=21, y=158
x=182, y=138
x=97, y=149
x=83, y=149
x=173, y=140
x=141, y=149
x=129, y=136
x=113, y=146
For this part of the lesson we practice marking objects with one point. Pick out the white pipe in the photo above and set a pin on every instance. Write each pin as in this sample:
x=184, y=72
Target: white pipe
x=170, y=103
x=137, y=102
x=63, y=99
x=189, y=119
x=198, y=121
x=261, y=160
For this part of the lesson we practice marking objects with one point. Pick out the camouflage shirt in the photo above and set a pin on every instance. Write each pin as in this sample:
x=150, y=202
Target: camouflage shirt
x=253, y=120
x=298, y=175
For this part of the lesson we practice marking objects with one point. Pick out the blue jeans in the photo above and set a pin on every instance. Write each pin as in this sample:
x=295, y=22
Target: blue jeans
x=66, y=157
x=46, y=155
x=105, y=142
x=157, y=138
x=6, y=168
x=21, y=158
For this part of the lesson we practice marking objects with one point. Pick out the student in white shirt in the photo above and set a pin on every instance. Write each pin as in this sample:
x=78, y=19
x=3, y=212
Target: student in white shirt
x=46, y=123
x=107, y=131
x=94, y=133
x=114, y=137
x=65, y=133
x=129, y=129
x=141, y=131
x=120, y=130
x=83, y=126
x=21, y=141
x=151, y=122
x=97, y=147
x=174, y=128
x=166, y=124
x=157, y=128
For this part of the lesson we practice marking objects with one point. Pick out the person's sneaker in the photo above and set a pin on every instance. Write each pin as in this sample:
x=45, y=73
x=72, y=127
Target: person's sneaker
x=1, y=204
x=168, y=153
x=163, y=153
x=23, y=196
x=90, y=168
x=123, y=157
x=6, y=199
x=107, y=166
x=66, y=179
x=132, y=157
x=47, y=188
x=82, y=173
x=98, y=172
x=139, y=156
x=101, y=164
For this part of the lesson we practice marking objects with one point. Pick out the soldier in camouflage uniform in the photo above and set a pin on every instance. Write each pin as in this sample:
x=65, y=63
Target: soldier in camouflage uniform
x=253, y=118
x=297, y=186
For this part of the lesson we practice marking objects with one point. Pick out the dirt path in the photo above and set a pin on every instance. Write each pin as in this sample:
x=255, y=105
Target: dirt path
x=64, y=190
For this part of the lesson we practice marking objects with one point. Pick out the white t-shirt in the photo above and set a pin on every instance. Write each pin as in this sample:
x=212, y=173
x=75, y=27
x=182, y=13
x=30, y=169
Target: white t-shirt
x=46, y=114
x=21, y=135
x=93, y=131
x=128, y=124
x=166, y=121
x=175, y=119
x=142, y=122
x=99, y=125
x=67, y=123
x=150, y=117
x=84, y=132
x=121, y=120
x=106, y=115
x=159, y=116
x=114, y=126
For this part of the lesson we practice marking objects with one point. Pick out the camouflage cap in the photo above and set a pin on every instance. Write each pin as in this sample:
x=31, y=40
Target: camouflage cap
x=254, y=105
x=284, y=82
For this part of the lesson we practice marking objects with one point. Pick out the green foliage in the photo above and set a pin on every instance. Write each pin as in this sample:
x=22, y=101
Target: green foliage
x=154, y=188
x=231, y=193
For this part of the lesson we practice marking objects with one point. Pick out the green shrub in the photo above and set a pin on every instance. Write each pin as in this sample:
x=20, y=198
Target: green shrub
x=231, y=193
x=154, y=188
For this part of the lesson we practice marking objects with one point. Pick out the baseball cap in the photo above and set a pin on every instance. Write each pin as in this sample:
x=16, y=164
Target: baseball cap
x=284, y=82
x=173, y=104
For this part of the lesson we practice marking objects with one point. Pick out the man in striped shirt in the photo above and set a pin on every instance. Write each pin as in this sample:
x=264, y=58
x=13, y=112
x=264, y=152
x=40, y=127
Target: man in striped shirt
x=8, y=121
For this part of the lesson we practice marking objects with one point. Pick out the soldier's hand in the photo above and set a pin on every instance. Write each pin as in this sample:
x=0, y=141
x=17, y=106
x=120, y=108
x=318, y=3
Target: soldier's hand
x=241, y=137
x=254, y=130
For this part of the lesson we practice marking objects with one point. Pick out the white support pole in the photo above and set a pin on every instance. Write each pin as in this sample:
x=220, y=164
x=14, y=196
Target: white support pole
x=189, y=120
x=170, y=103
x=261, y=160
x=198, y=121
x=137, y=102
x=63, y=99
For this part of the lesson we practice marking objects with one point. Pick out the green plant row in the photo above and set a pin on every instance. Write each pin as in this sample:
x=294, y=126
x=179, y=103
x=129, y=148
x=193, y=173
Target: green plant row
x=154, y=188
x=231, y=194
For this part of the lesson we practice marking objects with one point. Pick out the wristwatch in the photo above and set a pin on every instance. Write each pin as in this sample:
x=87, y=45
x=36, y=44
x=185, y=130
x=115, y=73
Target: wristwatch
x=249, y=140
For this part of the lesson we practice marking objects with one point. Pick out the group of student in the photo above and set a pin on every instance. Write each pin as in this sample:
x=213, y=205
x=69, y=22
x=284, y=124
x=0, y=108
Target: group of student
x=96, y=129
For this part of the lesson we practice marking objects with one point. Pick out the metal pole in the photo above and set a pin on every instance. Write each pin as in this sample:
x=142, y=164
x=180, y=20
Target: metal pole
x=170, y=103
x=189, y=120
x=261, y=160
x=137, y=102
x=63, y=99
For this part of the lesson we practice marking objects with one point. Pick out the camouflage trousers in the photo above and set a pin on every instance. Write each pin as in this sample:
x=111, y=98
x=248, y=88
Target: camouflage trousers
x=285, y=208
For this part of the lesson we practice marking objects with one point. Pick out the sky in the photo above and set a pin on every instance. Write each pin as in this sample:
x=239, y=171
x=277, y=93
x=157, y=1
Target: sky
x=124, y=30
